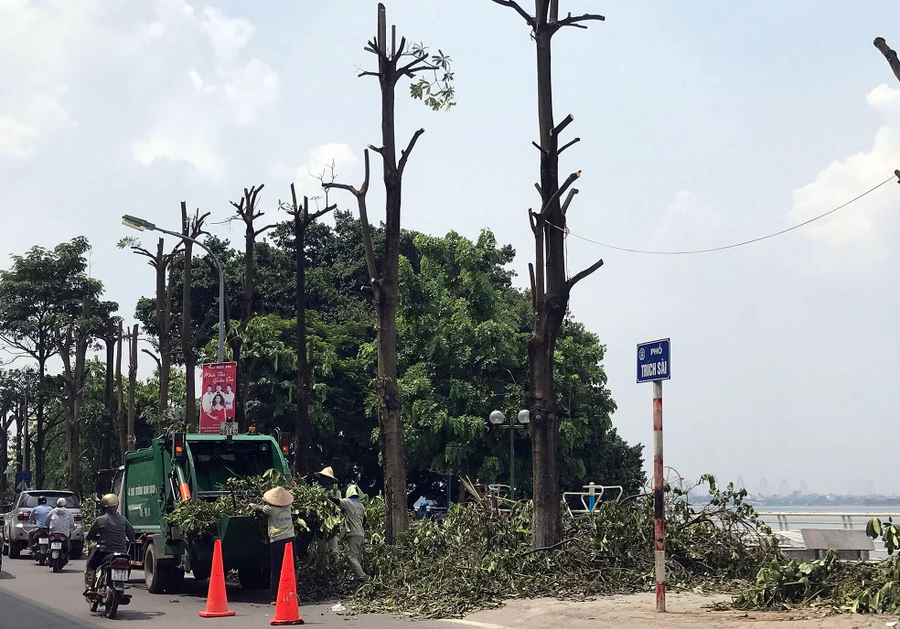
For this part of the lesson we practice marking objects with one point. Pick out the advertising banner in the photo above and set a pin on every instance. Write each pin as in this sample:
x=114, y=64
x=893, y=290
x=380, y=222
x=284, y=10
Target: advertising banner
x=218, y=397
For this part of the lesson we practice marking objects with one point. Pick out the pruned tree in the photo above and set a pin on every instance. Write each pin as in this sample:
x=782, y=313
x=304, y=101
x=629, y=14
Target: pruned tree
x=109, y=336
x=889, y=54
x=191, y=227
x=395, y=61
x=132, y=385
x=550, y=286
x=121, y=423
x=303, y=218
x=246, y=211
x=161, y=263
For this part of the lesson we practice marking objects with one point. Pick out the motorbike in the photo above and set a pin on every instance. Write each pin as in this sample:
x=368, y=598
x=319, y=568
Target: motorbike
x=59, y=557
x=109, y=588
x=40, y=550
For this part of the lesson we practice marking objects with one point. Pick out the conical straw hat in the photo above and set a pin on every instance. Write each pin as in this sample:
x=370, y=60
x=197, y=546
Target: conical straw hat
x=279, y=497
x=327, y=473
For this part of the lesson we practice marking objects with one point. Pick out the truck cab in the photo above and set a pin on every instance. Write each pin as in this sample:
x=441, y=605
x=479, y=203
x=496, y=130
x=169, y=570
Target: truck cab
x=182, y=466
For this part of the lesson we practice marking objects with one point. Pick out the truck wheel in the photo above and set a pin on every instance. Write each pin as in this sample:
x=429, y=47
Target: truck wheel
x=15, y=551
x=77, y=551
x=254, y=578
x=154, y=574
x=175, y=581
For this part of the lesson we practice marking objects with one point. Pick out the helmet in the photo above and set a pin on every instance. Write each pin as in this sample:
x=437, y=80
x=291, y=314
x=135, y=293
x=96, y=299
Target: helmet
x=61, y=502
x=109, y=501
x=42, y=500
x=353, y=491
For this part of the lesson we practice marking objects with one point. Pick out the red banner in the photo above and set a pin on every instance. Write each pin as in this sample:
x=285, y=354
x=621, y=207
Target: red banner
x=218, y=397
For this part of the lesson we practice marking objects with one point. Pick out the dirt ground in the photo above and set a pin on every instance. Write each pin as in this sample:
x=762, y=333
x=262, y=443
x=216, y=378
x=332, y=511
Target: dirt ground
x=683, y=610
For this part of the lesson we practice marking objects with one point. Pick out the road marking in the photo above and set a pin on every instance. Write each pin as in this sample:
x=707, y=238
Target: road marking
x=474, y=623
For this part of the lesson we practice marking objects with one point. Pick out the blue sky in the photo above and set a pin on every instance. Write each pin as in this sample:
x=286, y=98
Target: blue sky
x=702, y=123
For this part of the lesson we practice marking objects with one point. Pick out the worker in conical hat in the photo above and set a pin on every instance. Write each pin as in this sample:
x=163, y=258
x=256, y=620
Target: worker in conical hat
x=326, y=476
x=327, y=479
x=277, y=508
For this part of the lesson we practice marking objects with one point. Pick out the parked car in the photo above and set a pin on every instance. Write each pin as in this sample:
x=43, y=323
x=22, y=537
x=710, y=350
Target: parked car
x=15, y=528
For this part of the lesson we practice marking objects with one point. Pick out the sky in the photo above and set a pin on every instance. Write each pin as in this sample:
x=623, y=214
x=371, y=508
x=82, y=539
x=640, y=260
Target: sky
x=701, y=124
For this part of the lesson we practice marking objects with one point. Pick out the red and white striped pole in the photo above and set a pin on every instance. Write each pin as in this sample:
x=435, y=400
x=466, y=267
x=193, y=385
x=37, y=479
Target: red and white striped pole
x=659, y=508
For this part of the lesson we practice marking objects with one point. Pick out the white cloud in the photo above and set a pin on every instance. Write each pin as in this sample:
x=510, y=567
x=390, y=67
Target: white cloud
x=687, y=223
x=178, y=80
x=843, y=180
x=321, y=160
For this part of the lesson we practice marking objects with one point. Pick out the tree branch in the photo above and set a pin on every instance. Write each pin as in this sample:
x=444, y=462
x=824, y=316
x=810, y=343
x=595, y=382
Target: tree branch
x=565, y=205
x=533, y=291
x=514, y=5
x=263, y=229
x=565, y=146
x=583, y=274
x=568, y=182
x=360, y=195
x=562, y=125
x=404, y=155
x=537, y=146
x=574, y=21
x=889, y=54
x=327, y=209
x=367, y=73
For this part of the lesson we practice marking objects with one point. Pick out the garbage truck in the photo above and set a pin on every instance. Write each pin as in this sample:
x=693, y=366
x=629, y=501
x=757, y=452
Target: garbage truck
x=181, y=466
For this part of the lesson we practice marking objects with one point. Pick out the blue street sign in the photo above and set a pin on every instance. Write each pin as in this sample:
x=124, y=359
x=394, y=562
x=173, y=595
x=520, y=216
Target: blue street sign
x=653, y=361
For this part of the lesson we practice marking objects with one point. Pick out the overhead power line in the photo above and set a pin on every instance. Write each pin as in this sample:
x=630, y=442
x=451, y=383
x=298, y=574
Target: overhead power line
x=896, y=175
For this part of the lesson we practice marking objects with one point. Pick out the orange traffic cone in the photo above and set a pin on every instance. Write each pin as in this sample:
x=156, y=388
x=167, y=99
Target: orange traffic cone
x=287, y=607
x=216, y=601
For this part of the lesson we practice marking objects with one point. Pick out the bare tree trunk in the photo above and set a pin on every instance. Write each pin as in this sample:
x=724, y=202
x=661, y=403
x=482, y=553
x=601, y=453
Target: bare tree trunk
x=187, y=330
x=302, y=429
x=191, y=227
x=550, y=287
x=160, y=262
x=109, y=341
x=121, y=426
x=40, y=436
x=247, y=212
x=132, y=383
x=302, y=432
x=5, y=423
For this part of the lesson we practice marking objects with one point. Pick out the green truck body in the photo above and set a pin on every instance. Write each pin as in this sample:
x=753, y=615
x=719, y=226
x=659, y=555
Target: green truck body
x=176, y=467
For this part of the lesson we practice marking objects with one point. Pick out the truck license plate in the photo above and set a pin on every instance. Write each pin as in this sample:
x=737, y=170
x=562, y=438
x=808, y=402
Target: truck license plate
x=120, y=575
x=228, y=428
x=56, y=546
x=44, y=540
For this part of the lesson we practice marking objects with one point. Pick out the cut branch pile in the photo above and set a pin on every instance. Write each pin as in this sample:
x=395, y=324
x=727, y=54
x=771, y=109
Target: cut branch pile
x=475, y=559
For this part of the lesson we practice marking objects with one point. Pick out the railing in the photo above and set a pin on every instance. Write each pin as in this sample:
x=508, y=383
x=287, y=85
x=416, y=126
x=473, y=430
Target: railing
x=821, y=519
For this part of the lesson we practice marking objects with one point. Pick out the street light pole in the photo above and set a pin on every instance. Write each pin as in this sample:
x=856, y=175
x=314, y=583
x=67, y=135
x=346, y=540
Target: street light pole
x=497, y=418
x=140, y=224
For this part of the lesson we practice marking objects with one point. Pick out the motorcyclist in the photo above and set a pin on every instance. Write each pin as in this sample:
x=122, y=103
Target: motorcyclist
x=114, y=534
x=62, y=521
x=39, y=517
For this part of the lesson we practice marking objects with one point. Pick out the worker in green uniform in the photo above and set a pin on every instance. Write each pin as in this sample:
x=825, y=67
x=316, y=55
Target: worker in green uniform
x=355, y=512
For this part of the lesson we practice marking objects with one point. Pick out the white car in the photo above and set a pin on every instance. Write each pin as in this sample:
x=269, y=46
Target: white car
x=16, y=527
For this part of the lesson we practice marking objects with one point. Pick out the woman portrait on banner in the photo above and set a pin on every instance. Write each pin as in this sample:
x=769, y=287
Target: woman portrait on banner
x=217, y=410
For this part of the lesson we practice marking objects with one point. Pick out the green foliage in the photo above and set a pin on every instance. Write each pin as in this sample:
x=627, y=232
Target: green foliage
x=312, y=511
x=476, y=559
x=845, y=586
x=438, y=91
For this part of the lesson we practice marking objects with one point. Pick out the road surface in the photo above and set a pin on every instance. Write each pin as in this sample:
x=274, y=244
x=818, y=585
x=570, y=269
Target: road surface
x=32, y=596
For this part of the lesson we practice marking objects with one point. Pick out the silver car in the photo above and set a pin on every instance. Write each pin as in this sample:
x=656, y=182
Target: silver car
x=16, y=527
